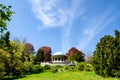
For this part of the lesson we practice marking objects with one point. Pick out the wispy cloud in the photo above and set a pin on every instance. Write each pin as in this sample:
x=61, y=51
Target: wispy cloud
x=56, y=13
x=76, y=10
x=95, y=26
x=60, y=13
x=50, y=12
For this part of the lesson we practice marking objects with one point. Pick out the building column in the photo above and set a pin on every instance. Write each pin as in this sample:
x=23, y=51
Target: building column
x=53, y=58
x=60, y=59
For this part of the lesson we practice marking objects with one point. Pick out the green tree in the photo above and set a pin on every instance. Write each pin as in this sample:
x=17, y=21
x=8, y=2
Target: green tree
x=106, y=59
x=39, y=57
x=5, y=15
x=20, y=63
x=79, y=56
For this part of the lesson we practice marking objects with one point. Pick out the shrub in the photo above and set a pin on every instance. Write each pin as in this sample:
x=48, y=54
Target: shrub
x=54, y=69
x=71, y=68
x=2, y=70
x=66, y=67
x=37, y=69
x=88, y=67
x=27, y=66
x=58, y=66
x=47, y=67
x=80, y=66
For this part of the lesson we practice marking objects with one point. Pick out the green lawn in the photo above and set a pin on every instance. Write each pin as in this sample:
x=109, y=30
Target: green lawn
x=65, y=76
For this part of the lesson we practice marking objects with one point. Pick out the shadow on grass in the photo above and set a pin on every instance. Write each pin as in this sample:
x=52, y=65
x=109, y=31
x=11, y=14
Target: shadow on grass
x=17, y=77
x=12, y=77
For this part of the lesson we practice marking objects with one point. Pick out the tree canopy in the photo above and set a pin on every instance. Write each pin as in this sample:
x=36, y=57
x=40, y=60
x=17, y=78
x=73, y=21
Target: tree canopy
x=106, y=58
x=75, y=55
x=28, y=48
x=47, y=53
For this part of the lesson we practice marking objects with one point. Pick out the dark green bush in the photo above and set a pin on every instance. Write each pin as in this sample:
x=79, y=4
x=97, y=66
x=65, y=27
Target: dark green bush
x=66, y=67
x=2, y=70
x=47, y=67
x=37, y=69
x=71, y=68
x=54, y=69
x=58, y=66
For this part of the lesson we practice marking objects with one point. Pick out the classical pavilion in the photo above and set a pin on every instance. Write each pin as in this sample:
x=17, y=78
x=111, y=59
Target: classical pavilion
x=58, y=58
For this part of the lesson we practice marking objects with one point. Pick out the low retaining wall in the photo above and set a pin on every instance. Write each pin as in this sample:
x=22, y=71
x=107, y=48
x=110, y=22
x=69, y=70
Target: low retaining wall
x=54, y=64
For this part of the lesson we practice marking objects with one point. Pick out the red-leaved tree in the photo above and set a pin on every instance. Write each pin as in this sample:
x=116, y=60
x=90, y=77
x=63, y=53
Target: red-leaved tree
x=28, y=48
x=47, y=53
x=75, y=55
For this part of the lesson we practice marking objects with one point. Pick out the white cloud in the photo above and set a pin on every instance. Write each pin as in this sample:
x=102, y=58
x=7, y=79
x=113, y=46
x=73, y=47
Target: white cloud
x=50, y=13
x=58, y=13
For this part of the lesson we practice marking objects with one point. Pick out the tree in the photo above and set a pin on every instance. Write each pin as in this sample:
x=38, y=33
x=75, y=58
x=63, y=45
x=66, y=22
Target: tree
x=75, y=55
x=5, y=15
x=47, y=53
x=28, y=48
x=19, y=63
x=106, y=59
x=4, y=56
x=39, y=57
x=79, y=56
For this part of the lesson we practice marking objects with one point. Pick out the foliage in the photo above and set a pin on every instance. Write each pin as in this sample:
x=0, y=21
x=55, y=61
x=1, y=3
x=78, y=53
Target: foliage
x=5, y=61
x=79, y=56
x=28, y=49
x=54, y=69
x=47, y=67
x=5, y=15
x=106, y=58
x=39, y=57
x=88, y=67
x=37, y=69
x=80, y=66
x=4, y=41
x=71, y=68
x=2, y=65
x=75, y=55
x=47, y=53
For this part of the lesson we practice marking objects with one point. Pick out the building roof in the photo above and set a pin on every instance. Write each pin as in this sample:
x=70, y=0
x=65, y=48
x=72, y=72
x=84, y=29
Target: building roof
x=58, y=53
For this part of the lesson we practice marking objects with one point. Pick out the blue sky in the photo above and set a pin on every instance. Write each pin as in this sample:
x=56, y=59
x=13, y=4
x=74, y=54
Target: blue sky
x=62, y=24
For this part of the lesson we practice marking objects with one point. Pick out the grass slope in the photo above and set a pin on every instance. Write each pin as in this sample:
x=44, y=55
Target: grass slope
x=65, y=76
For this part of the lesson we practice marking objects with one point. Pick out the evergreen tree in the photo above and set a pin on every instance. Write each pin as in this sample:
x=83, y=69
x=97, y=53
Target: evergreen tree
x=106, y=58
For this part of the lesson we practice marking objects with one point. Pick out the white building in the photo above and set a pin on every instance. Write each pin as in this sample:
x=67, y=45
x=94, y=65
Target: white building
x=58, y=58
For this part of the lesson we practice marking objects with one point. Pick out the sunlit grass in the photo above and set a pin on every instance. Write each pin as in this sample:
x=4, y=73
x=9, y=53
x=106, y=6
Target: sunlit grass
x=65, y=76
